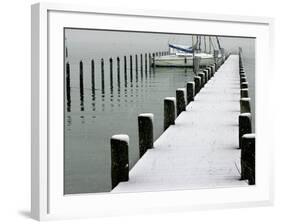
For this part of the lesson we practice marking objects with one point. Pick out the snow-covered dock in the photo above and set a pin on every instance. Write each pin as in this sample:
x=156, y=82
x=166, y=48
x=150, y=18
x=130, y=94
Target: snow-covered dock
x=201, y=149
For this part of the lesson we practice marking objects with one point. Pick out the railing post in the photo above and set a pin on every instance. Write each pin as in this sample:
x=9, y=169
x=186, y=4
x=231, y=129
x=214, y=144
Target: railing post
x=81, y=78
x=244, y=93
x=245, y=126
x=190, y=92
x=245, y=105
x=119, y=159
x=169, y=111
x=181, y=100
x=206, y=75
x=202, y=76
x=248, y=157
x=244, y=85
x=102, y=75
x=197, y=81
x=145, y=126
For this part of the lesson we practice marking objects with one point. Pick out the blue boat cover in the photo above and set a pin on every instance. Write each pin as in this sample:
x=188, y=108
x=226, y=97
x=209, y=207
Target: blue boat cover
x=181, y=48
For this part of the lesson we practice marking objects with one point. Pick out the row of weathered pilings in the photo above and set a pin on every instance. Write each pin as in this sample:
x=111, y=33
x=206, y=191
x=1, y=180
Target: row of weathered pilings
x=173, y=106
x=146, y=63
x=246, y=135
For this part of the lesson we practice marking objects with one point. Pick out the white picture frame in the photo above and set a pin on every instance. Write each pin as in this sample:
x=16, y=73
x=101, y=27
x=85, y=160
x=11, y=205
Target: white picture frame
x=47, y=201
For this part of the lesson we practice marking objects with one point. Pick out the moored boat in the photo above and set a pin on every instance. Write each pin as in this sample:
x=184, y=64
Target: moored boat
x=183, y=56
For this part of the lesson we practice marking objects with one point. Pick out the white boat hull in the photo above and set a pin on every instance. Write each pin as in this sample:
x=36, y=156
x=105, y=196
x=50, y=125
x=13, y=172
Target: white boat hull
x=181, y=61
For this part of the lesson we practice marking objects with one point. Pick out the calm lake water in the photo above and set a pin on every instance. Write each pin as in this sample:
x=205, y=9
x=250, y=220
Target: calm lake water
x=94, y=116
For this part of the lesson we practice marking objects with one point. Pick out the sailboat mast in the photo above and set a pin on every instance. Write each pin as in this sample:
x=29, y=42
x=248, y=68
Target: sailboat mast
x=210, y=46
x=205, y=46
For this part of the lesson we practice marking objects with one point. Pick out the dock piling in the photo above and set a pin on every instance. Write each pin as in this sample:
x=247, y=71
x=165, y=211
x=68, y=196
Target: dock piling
x=245, y=105
x=145, y=126
x=125, y=64
x=206, y=75
x=102, y=75
x=68, y=95
x=111, y=74
x=181, y=100
x=244, y=93
x=169, y=111
x=131, y=64
x=197, y=81
x=119, y=159
x=93, y=73
x=243, y=79
x=244, y=85
x=202, y=77
x=190, y=92
x=118, y=65
x=118, y=73
x=136, y=61
x=248, y=158
x=81, y=82
x=245, y=126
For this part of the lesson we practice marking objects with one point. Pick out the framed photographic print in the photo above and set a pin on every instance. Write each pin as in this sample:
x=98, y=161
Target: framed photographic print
x=139, y=111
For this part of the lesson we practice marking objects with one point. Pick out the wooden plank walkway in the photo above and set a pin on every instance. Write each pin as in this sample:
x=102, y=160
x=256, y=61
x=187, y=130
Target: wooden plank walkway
x=201, y=149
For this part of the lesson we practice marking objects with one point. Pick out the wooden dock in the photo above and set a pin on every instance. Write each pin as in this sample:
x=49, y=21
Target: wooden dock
x=201, y=149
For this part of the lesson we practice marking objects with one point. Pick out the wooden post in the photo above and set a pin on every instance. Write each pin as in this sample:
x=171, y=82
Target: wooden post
x=213, y=70
x=125, y=64
x=145, y=125
x=131, y=64
x=244, y=85
x=110, y=65
x=93, y=74
x=118, y=65
x=181, y=100
x=145, y=62
x=102, y=75
x=169, y=111
x=190, y=92
x=202, y=76
x=248, y=157
x=119, y=159
x=68, y=95
x=118, y=73
x=141, y=63
x=216, y=67
x=244, y=93
x=243, y=79
x=111, y=74
x=81, y=80
x=245, y=126
x=245, y=105
x=153, y=60
x=206, y=75
x=197, y=81
x=209, y=72
x=136, y=58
